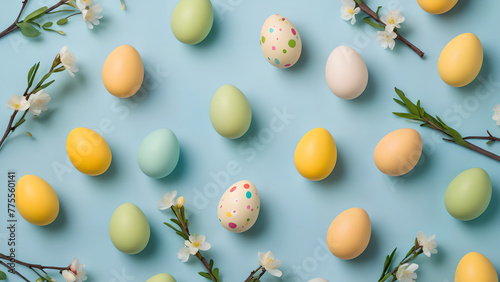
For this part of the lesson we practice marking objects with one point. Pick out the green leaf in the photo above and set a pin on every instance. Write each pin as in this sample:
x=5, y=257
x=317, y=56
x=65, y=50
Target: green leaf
x=409, y=104
x=407, y=116
x=399, y=102
x=410, y=251
x=489, y=142
x=454, y=134
x=62, y=21
x=187, y=223
x=61, y=11
x=206, y=275
x=385, y=277
x=44, y=86
x=216, y=274
x=28, y=30
x=175, y=221
x=371, y=22
x=3, y=276
x=19, y=122
x=32, y=73
x=170, y=225
x=182, y=235
x=378, y=10
x=211, y=264
x=47, y=24
x=58, y=31
x=35, y=14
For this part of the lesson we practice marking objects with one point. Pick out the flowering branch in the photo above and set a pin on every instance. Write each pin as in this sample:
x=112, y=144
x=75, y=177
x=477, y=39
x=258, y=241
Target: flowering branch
x=387, y=24
x=417, y=113
x=30, y=28
x=193, y=244
x=73, y=272
x=36, y=99
x=404, y=271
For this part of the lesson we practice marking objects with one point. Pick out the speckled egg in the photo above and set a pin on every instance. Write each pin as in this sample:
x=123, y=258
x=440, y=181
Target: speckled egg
x=469, y=194
x=88, y=151
x=123, y=72
x=349, y=234
x=129, y=229
x=280, y=41
x=239, y=207
x=461, y=60
x=162, y=277
x=36, y=201
x=398, y=152
x=158, y=153
x=475, y=267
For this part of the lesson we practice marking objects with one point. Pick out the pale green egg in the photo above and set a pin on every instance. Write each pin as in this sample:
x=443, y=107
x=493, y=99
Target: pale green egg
x=230, y=112
x=129, y=229
x=158, y=153
x=192, y=20
x=469, y=194
x=162, y=277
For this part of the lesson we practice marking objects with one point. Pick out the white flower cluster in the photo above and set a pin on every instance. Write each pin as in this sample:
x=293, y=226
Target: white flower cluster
x=76, y=272
x=91, y=13
x=392, y=20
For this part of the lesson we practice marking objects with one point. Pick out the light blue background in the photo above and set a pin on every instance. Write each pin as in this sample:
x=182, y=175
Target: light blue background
x=296, y=212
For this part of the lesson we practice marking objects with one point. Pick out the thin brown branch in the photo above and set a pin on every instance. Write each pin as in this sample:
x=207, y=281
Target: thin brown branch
x=477, y=149
x=367, y=10
x=14, y=270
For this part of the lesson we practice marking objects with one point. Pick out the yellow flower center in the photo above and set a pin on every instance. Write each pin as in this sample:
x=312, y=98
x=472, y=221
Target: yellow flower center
x=17, y=106
x=196, y=244
x=268, y=261
x=350, y=11
x=391, y=21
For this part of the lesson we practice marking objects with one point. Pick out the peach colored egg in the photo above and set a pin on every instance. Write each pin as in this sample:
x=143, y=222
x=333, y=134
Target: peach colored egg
x=123, y=72
x=398, y=152
x=349, y=234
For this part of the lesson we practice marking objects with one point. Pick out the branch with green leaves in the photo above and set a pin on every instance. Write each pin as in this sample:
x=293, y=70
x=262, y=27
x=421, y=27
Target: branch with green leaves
x=406, y=271
x=35, y=100
x=388, y=24
x=418, y=114
x=70, y=273
x=34, y=23
x=194, y=244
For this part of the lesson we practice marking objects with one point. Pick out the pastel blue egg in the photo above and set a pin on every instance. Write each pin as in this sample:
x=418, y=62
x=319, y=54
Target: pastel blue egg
x=158, y=153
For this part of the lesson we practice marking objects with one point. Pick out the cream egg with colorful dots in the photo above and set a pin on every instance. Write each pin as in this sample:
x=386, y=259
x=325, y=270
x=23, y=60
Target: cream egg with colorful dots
x=280, y=41
x=239, y=207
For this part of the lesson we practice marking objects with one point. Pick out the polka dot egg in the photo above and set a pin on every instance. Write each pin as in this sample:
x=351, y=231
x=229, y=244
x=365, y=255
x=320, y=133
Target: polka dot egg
x=280, y=41
x=239, y=207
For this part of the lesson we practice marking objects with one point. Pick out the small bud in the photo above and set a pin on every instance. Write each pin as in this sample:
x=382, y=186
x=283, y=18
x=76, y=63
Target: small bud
x=179, y=203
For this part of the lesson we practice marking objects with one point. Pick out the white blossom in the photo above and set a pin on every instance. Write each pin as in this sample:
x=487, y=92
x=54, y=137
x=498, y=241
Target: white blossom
x=393, y=19
x=167, y=200
x=386, y=38
x=267, y=261
x=197, y=243
x=406, y=273
x=349, y=10
x=428, y=244
x=92, y=14
x=18, y=103
x=39, y=102
x=68, y=60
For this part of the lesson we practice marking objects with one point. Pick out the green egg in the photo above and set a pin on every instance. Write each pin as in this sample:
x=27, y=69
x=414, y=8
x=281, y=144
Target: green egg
x=162, y=277
x=192, y=20
x=469, y=194
x=129, y=229
x=230, y=112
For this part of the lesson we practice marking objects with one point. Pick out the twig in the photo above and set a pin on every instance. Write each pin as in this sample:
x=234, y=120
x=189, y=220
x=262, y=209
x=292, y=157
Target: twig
x=367, y=10
x=14, y=26
x=14, y=270
x=250, y=277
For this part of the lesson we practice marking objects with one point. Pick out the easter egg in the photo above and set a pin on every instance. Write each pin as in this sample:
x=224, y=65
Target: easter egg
x=162, y=277
x=318, y=280
x=461, y=60
x=346, y=73
x=158, y=153
x=192, y=20
x=230, y=112
x=468, y=194
x=88, y=151
x=129, y=229
x=123, y=72
x=316, y=154
x=475, y=267
x=239, y=207
x=36, y=201
x=280, y=41
x=437, y=6
x=398, y=152
x=349, y=234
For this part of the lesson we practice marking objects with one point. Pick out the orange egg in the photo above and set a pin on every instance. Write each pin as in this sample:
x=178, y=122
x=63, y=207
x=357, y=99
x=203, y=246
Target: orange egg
x=398, y=152
x=123, y=72
x=475, y=267
x=36, y=201
x=349, y=234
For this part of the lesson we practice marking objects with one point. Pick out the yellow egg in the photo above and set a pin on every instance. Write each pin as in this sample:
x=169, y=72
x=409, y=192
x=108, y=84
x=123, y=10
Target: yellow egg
x=349, y=234
x=88, y=151
x=475, y=267
x=123, y=72
x=36, y=201
x=461, y=60
x=316, y=154
x=398, y=152
x=437, y=6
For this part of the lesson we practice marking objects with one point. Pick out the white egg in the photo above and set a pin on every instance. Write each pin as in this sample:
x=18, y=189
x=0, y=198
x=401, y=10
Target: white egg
x=346, y=73
x=318, y=280
x=280, y=41
x=239, y=207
